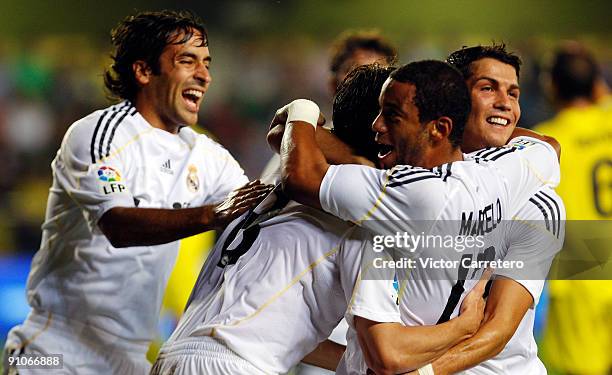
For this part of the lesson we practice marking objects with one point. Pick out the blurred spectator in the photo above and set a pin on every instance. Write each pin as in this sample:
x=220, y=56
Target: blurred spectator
x=349, y=50
x=578, y=335
x=355, y=48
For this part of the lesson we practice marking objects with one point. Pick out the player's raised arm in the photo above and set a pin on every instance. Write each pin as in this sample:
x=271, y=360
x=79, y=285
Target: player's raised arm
x=335, y=151
x=303, y=164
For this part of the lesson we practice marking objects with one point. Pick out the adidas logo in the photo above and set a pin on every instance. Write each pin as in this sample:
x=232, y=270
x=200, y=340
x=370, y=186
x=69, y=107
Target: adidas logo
x=166, y=167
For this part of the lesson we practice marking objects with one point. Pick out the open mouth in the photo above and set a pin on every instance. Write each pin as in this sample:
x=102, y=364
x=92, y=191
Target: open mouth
x=494, y=120
x=384, y=150
x=192, y=97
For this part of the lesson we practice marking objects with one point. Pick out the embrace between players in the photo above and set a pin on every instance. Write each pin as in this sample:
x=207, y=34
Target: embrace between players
x=285, y=272
x=283, y=275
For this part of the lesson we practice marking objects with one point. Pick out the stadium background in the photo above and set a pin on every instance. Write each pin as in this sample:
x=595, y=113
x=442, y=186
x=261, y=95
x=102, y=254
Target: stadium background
x=265, y=53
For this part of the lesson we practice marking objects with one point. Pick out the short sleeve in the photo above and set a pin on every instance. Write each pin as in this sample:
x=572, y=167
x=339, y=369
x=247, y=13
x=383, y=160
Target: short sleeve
x=535, y=236
x=528, y=164
x=96, y=187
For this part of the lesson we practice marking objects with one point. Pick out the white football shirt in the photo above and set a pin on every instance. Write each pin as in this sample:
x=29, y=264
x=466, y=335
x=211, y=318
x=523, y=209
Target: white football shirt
x=281, y=285
x=419, y=201
x=114, y=158
x=536, y=233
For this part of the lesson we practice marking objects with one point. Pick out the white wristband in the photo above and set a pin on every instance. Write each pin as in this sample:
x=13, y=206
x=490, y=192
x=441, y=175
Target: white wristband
x=426, y=370
x=303, y=110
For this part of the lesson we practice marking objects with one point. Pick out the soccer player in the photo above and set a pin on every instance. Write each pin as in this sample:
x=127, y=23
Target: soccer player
x=351, y=49
x=424, y=106
x=505, y=342
x=286, y=275
x=577, y=338
x=128, y=182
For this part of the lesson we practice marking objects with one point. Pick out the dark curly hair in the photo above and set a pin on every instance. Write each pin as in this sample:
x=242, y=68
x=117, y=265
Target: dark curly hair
x=143, y=37
x=350, y=41
x=463, y=58
x=356, y=106
x=440, y=91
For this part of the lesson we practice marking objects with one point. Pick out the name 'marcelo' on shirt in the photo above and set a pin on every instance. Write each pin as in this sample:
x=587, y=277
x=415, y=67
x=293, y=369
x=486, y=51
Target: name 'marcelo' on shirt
x=461, y=198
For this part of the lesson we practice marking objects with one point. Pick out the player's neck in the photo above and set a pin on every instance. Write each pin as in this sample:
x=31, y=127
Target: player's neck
x=149, y=112
x=442, y=154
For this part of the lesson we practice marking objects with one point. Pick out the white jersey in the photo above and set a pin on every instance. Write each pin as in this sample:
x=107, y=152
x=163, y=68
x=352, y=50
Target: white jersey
x=462, y=198
x=536, y=232
x=115, y=158
x=283, y=285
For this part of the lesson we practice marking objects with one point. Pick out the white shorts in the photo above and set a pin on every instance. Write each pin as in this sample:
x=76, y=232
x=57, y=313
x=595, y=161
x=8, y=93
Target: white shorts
x=82, y=353
x=201, y=355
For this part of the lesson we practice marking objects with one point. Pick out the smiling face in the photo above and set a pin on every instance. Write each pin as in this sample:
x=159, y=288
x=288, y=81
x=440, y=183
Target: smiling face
x=399, y=133
x=494, y=92
x=172, y=98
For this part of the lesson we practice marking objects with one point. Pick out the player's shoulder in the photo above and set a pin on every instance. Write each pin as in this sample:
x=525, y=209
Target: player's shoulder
x=102, y=117
x=410, y=176
x=307, y=218
x=94, y=133
x=545, y=210
x=201, y=140
x=515, y=147
x=544, y=204
x=489, y=154
x=425, y=187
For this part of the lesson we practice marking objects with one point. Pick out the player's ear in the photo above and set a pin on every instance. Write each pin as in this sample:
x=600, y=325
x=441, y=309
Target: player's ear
x=441, y=128
x=142, y=72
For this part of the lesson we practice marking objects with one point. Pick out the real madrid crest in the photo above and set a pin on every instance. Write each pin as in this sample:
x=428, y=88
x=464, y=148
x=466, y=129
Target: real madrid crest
x=193, y=182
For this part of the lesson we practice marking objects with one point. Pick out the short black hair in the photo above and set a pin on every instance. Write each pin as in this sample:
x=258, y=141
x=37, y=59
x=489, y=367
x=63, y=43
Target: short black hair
x=356, y=107
x=574, y=73
x=350, y=41
x=440, y=91
x=144, y=36
x=463, y=58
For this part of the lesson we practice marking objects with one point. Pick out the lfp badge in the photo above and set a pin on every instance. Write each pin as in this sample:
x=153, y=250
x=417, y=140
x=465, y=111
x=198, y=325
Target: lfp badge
x=108, y=174
x=110, y=178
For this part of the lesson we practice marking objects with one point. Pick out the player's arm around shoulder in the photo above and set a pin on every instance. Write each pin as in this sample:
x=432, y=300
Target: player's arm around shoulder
x=391, y=348
x=522, y=132
x=227, y=193
x=507, y=303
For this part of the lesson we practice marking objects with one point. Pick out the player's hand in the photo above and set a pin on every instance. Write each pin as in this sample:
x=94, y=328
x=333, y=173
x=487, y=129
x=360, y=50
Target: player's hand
x=276, y=129
x=473, y=305
x=240, y=201
x=281, y=116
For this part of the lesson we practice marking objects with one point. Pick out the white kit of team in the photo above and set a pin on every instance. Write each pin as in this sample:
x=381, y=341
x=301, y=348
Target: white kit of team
x=277, y=283
x=328, y=242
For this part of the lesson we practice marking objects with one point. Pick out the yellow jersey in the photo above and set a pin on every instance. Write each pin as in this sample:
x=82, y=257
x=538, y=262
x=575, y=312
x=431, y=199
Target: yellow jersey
x=578, y=336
